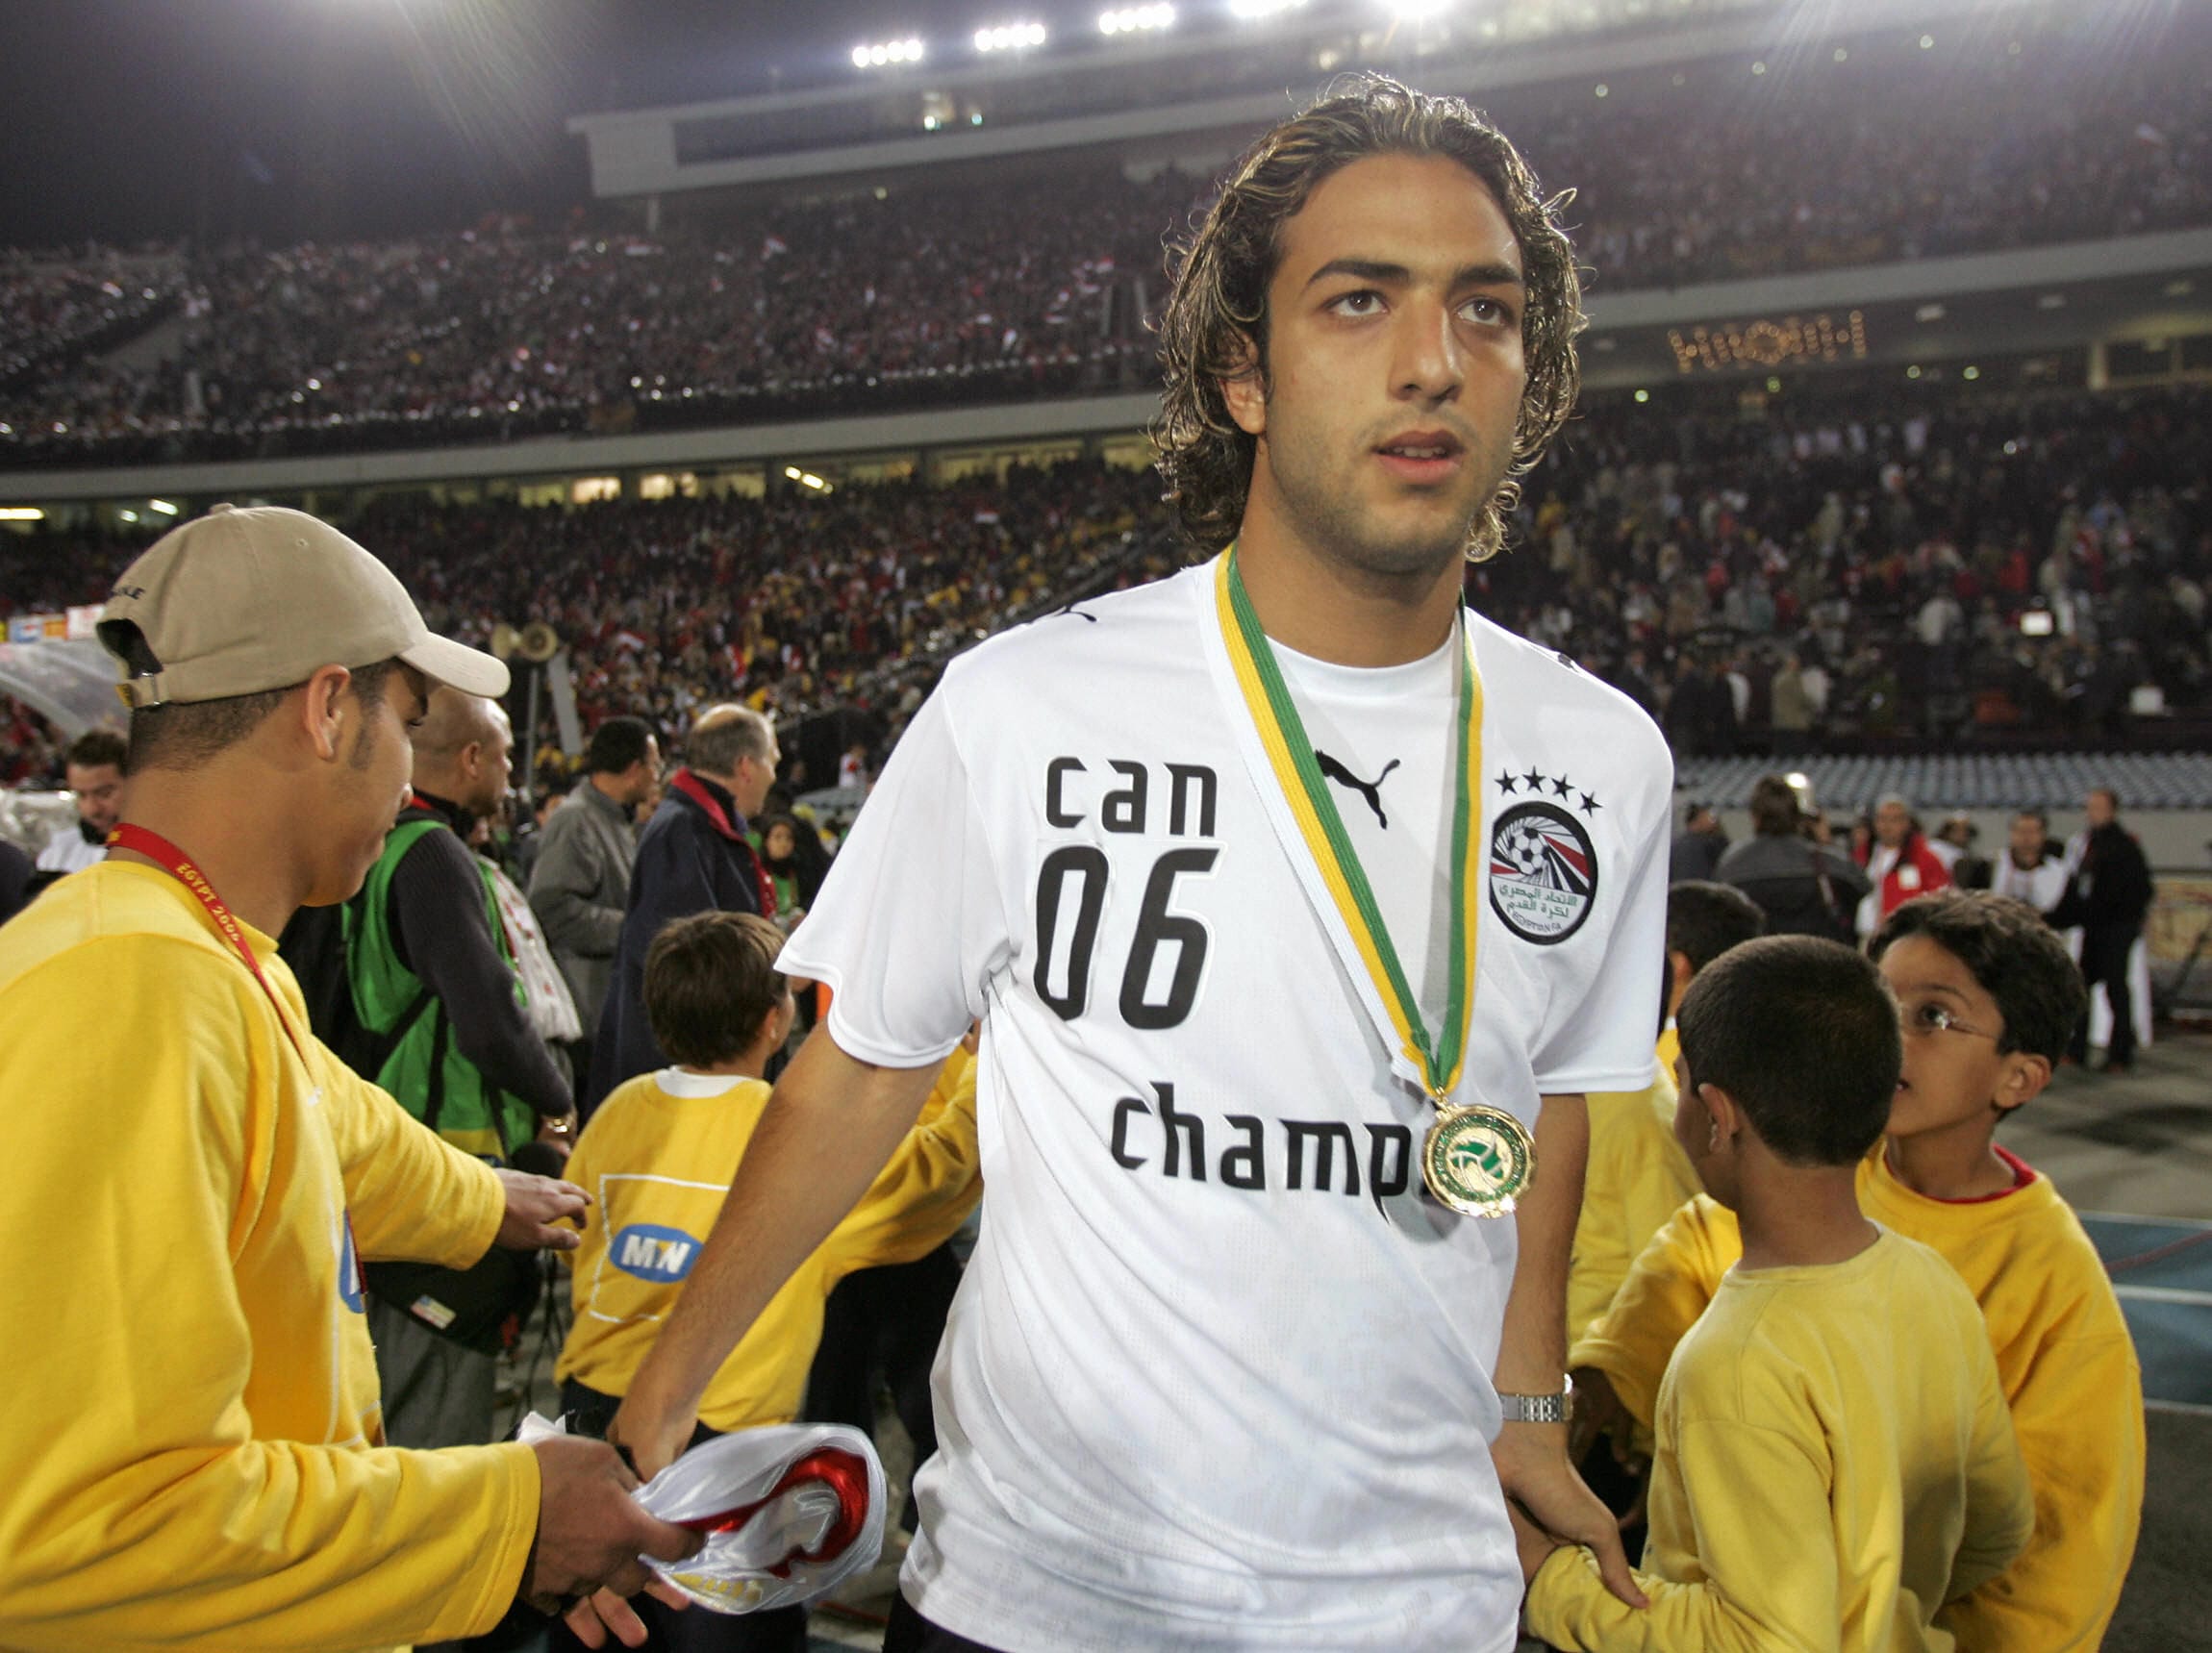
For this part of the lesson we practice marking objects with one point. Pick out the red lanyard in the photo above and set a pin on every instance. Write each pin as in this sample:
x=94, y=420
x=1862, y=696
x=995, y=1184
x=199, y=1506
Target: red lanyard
x=179, y=866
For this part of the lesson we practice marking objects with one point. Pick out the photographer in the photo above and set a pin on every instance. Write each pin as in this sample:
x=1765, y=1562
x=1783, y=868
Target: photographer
x=1803, y=884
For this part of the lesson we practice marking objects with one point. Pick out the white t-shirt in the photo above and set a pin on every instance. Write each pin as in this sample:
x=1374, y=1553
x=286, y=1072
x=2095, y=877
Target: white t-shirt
x=2042, y=886
x=1217, y=1373
x=69, y=850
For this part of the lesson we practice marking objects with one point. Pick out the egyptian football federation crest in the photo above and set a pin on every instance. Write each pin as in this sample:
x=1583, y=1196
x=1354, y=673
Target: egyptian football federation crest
x=1543, y=872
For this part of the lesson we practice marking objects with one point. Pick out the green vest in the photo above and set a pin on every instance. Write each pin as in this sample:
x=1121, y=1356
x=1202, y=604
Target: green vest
x=430, y=1078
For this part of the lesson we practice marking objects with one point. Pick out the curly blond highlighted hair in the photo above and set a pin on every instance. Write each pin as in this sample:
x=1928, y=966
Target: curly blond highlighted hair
x=1215, y=325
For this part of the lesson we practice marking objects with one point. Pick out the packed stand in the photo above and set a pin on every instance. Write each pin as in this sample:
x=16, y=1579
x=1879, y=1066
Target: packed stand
x=1042, y=286
x=1857, y=567
x=796, y=604
x=1843, y=568
x=58, y=307
x=505, y=331
x=1896, y=156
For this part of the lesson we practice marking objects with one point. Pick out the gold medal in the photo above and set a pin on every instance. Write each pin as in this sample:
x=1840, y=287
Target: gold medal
x=1478, y=1161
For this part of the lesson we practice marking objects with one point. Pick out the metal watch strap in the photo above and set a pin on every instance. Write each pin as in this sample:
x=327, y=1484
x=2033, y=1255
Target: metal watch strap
x=1537, y=1407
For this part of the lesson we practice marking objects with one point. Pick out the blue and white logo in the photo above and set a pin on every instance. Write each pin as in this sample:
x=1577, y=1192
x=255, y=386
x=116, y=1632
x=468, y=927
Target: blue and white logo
x=650, y=1252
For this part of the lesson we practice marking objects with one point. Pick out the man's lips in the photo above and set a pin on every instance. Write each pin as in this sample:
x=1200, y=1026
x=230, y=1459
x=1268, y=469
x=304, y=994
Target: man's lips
x=1421, y=456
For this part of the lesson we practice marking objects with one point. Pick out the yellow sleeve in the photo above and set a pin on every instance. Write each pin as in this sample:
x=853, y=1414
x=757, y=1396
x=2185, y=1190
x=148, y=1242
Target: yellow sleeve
x=1601, y=1255
x=2078, y=1419
x=1770, y=1584
x=415, y=1197
x=954, y=1080
x=1638, y=1177
x=925, y=1193
x=139, y=1505
x=1668, y=1284
x=1999, y=1510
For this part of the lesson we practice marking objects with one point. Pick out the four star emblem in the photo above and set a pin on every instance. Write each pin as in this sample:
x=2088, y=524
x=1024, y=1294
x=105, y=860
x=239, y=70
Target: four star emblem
x=1535, y=781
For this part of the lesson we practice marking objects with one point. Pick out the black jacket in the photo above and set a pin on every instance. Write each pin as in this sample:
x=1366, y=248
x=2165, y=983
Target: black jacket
x=686, y=863
x=2112, y=890
x=1783, y=876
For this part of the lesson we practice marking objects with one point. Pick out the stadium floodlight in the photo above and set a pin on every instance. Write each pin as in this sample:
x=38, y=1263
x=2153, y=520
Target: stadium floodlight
x=21, y=514
x=165, y=506
x=878, y=54
x=1137, y=19
x=1010, y=38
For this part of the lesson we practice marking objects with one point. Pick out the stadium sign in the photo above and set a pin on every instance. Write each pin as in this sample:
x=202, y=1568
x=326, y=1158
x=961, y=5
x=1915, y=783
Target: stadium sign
x=1767, y=343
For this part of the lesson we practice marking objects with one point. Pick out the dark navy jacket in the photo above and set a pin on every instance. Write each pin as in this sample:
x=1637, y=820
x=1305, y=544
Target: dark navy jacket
x=688, y=862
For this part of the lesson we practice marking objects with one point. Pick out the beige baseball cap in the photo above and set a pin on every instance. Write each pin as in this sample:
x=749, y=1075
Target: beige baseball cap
x=247, y=599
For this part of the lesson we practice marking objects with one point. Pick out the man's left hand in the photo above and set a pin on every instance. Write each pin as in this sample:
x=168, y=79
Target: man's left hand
x=1531, y=1542
x=1533, y=1469
x=535, y=1209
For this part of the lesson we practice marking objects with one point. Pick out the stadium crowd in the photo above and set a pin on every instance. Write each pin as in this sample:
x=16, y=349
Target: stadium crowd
x=1043, y=286
x=1833, y=566
x=796, y=604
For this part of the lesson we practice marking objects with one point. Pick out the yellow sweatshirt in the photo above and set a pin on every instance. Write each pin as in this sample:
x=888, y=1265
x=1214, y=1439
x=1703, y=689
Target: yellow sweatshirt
x=1638, y=1177
x=657, y=1159
x=1825, y=1478
x=189, y=1455
x=2062, y=1355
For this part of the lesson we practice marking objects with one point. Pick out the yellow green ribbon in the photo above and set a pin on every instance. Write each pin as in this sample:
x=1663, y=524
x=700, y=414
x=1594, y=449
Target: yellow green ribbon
x=1291, y=754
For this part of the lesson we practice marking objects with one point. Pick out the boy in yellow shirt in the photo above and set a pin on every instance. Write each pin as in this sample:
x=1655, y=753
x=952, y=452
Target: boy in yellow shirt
x=1988, y=999
x=1835, y=1459
x=657, y=1159
x=1637, y=1175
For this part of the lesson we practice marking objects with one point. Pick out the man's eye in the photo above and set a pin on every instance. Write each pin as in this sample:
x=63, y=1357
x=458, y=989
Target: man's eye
x=1934, y=1018
x=1362, y=302
x=1491, y=311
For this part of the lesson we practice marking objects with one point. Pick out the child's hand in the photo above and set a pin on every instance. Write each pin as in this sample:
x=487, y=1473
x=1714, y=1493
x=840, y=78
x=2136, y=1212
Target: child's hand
x=1530, y=1542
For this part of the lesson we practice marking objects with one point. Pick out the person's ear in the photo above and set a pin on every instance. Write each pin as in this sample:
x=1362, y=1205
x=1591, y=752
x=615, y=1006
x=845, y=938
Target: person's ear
x=326, y=710
x=1679, y=971
x=1244, y=391
x=2021, y=1080
x=1725, y=1117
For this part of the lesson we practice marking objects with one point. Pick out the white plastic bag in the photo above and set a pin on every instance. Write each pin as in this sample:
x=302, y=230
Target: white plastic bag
x=790, y=1511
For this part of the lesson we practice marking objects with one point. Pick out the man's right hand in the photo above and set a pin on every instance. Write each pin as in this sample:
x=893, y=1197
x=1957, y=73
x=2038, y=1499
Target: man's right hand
x=590, y=1532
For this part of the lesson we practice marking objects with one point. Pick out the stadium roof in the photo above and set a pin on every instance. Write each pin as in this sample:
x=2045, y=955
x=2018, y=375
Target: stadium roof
x=1207, y=81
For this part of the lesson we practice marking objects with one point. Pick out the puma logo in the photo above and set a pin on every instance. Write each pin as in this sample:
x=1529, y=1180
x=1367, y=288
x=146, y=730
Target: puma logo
x=1079, y=613
x=1371, y=790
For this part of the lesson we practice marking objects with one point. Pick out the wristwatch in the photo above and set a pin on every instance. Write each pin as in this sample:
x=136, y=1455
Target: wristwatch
x=1539, y=1408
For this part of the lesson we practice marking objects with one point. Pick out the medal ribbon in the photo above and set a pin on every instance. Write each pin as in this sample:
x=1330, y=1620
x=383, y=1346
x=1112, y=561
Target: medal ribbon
x=1291, y=754
x=179, y=866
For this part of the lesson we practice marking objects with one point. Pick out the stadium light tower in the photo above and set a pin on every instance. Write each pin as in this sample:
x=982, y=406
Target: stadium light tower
x=884, y=53
x=1137, y=19
x=1010, y=38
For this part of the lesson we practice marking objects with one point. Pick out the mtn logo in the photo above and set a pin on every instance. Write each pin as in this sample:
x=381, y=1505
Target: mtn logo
x=649, y=1252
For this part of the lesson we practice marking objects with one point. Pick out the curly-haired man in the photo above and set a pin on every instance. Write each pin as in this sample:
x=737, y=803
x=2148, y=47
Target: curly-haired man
x=1300, y=907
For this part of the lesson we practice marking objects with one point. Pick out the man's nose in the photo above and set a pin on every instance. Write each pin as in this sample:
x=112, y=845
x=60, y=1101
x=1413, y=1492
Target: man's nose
x=1427, y=363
